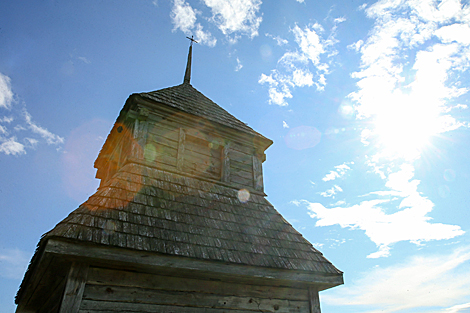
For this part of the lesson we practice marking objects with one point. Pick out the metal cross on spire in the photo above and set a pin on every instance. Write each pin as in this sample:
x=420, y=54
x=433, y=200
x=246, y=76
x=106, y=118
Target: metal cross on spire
x=192, y=40
x=187, y=75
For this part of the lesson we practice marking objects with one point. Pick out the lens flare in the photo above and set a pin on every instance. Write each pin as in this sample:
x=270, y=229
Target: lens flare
x=243, y=195
x=302, y=137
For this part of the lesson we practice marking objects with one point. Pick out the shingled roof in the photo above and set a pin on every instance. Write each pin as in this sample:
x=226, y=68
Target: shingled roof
x=188, y=99
x=147, y=209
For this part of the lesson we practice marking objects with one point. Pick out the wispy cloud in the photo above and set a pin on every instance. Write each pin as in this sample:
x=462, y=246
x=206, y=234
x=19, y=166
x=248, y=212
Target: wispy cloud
x=331, y=192
x=13, y=263
x=184, y=18
x=239, y=65
x=51, y=139
x=409, y=222
x=6, y=94
x=339, y=171
x=459, y=308
x=295, y=66
x=431, y=281
x=10, y=144
x=236, y=17
x=427, y=39
x=410, y=78
x=279, y=41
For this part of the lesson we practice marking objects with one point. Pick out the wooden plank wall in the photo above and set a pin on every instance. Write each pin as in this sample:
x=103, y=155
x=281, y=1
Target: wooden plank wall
x=171, y=147
x=241, y=166
x=112, y=290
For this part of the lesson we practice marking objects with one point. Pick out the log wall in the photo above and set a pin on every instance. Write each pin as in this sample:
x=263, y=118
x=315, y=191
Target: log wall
x=109, y=290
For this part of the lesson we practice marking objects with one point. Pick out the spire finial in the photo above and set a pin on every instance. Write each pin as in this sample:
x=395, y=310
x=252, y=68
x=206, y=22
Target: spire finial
x=187, y=75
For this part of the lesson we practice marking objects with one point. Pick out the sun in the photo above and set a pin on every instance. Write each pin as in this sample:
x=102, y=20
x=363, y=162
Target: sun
x=404, y=128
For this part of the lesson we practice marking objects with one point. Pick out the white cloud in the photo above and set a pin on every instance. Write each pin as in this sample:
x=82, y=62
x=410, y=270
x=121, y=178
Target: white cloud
x=184, y=18
x=431, y=281
x=236, y=16
x=339, y=171
x=11, y=146
x=84, y=60
x=13, y=263
x=458, y=308
x=434, y=39
x=309, y=42
x=332, y=191
x=284, y=124
x=294, y=67
x=44, y=133
x=279, y=41
x=9, y=143
x=409, y=223
x=239, y=65
x=332, y=175
x=7, y=119
x=6, y=94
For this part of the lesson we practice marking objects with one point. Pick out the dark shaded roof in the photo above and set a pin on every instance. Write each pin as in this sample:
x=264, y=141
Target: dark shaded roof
x=188, y=99
x=147, y=209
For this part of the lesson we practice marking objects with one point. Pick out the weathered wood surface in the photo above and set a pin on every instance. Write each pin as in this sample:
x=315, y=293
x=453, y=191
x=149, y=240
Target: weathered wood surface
x=226, y=163
x=257, y=173
x=74, y=288
x=241, y=157
x=160, y=139
x=236, y=165
x=180, y=157
x=90, y=306
x=192, y=299
x=242, y=173
x=51, y=300
x=112, y=277
x=144, y=259
x=314, y=300
x=241, y=181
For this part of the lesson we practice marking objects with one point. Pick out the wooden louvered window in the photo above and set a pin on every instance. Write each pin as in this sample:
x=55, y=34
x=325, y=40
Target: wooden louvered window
x=202, y=158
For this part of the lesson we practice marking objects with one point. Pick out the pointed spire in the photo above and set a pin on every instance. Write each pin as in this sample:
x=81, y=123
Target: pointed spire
x=187, y=74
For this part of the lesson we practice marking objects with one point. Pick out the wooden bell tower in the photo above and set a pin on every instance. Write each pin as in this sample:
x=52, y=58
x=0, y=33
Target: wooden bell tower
x=179, y=223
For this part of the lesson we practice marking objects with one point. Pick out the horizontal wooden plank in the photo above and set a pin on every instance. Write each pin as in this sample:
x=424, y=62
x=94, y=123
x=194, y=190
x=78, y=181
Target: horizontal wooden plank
x=162, y=149
x=203, y=148
x=101, y=276
x=157, y=139
x=161, y=131
x=159, y=157
x=240, y=180
x=202, y=171
x=191, y=299
x=241, y=148
x=192, y=157
x=92, y=306
x=241, y=157
x=247, y=167
x=241, y=173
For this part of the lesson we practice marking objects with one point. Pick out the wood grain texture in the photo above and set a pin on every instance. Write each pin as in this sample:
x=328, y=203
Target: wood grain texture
x=74, y=288
x=314, y=300
x=192, y=299
x=141, y=259
x=114, y=277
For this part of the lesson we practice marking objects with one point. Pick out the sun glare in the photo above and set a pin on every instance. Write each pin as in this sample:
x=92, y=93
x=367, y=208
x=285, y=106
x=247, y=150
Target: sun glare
x=404, y=128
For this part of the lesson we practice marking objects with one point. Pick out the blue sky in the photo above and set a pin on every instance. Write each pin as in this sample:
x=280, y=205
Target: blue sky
x=367, y=104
